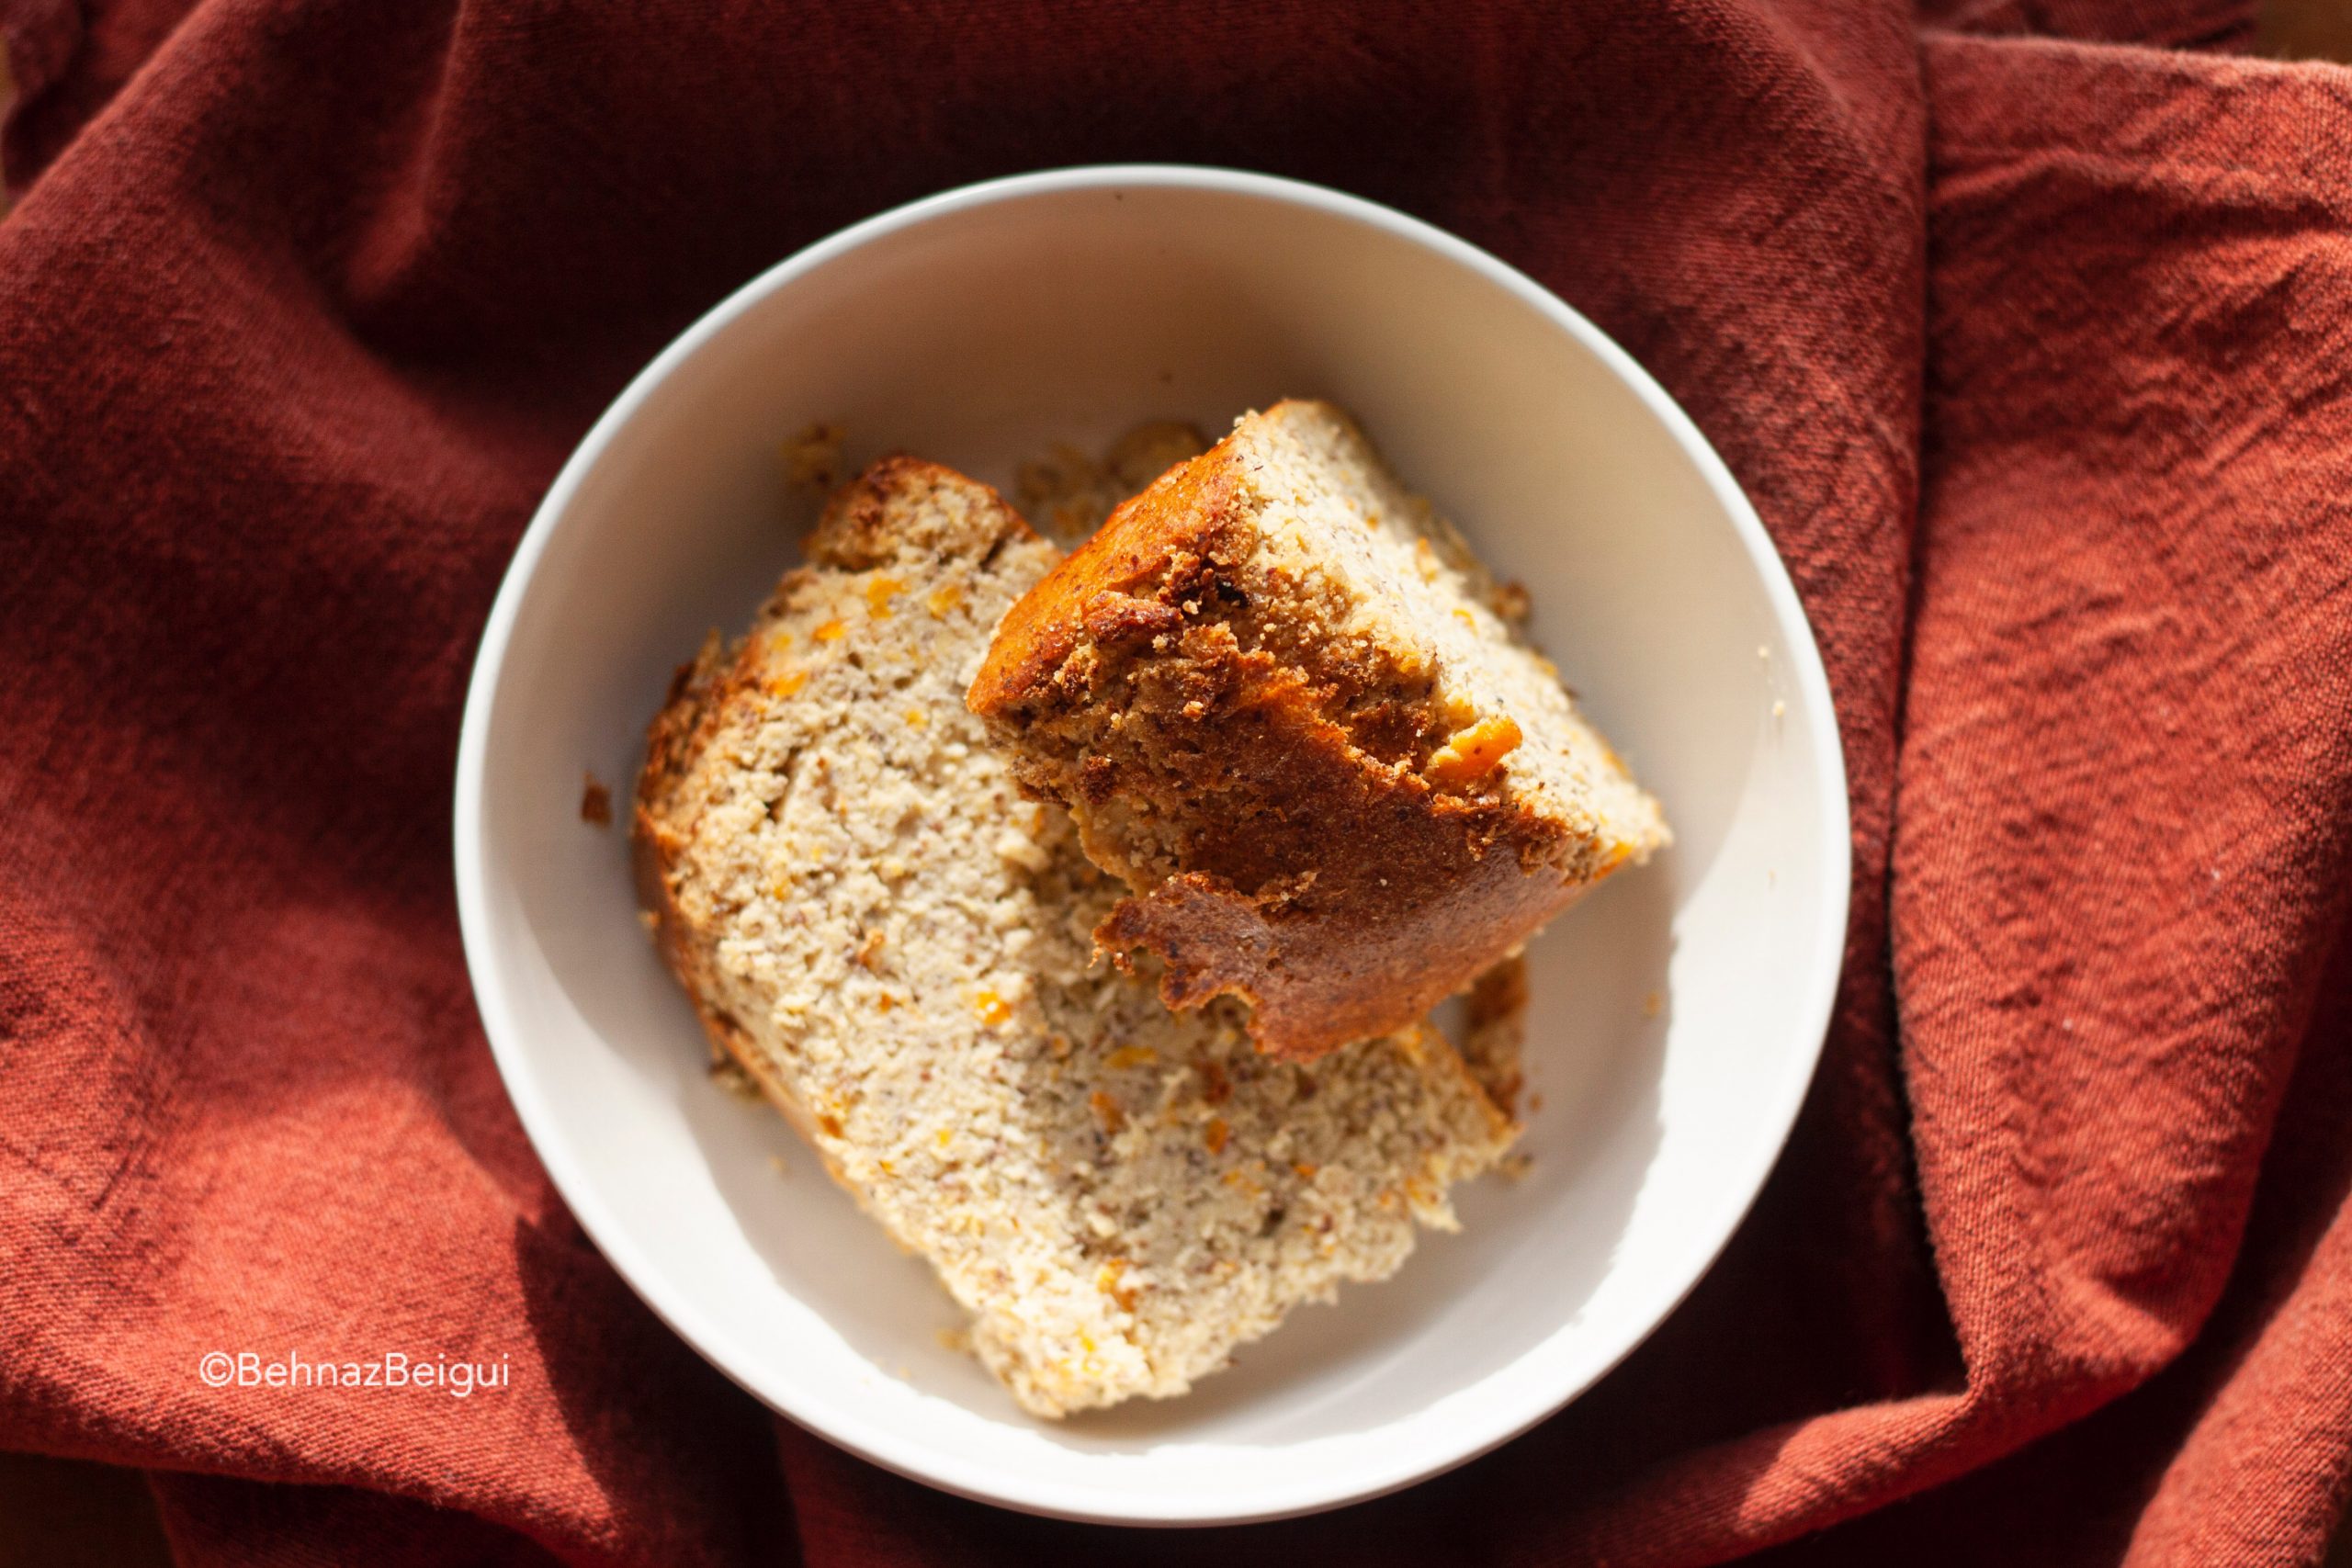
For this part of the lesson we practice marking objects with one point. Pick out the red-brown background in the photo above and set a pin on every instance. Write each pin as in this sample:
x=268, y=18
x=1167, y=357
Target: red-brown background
x=2023, y=331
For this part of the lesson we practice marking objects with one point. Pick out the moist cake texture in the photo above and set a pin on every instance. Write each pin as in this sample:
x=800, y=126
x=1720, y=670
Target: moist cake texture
x=871, y=921
x=1290, y=710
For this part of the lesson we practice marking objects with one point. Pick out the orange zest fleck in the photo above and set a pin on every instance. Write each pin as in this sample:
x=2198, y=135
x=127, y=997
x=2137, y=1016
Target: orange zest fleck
x=1106, y=1279
x=1475, y=752
x=879, y=591
x=831, y=631
x=788, y=683
x=945, y=597
x=1133, y=1057
x=1215, y=1087
x=1107, y=1112
x=1216, y=1134
x=994, y=1010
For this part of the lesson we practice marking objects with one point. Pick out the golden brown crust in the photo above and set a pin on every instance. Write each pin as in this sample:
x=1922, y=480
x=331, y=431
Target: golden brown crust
x=1344, y=958
x=1150, y=540
x=1269, y=794
x=906, y=508
x=729, y=1039
x=671, y=746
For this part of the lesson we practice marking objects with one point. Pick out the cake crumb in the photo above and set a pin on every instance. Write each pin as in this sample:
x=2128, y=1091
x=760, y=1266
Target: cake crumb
x=812, y=459
x=1061, y=492
x=728, y=1074
x=1514, y=1166
x=595, y=803
x=1652, y=1004
x=1068, y=493
x=777, y=1164
x=1495, y=1032
x=1149, y=450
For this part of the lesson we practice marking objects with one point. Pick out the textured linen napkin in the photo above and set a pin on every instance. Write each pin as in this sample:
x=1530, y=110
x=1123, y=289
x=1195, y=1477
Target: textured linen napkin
x=2026, y=323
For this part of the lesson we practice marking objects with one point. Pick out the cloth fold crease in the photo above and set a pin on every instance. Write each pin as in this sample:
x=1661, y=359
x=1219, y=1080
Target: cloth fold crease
x=2021, y=322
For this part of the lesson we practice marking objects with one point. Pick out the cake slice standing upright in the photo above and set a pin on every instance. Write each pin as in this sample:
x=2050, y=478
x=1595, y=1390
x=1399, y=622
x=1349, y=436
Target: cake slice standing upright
x=1288, y=709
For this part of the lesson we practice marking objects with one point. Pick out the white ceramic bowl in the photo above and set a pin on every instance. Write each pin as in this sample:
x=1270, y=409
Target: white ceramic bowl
x=1677, y=1014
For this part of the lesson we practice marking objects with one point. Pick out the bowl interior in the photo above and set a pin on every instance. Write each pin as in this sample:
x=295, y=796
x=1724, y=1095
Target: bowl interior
x=1676, y=1014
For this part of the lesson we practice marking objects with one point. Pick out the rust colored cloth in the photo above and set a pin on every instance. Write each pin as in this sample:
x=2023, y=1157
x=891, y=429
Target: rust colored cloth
x=2027, y=325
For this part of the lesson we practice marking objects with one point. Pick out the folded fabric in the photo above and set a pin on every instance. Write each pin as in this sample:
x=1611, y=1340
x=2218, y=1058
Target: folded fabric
x=2028, y=339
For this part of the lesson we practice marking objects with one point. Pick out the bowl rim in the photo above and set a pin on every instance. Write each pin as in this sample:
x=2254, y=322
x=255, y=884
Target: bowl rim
x=1463, y=1438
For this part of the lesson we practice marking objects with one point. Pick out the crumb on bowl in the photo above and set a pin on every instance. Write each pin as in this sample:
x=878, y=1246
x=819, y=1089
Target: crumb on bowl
x=812, y=459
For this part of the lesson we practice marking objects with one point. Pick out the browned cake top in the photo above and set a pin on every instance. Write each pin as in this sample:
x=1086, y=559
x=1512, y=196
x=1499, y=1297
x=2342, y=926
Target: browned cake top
x=1279, y=697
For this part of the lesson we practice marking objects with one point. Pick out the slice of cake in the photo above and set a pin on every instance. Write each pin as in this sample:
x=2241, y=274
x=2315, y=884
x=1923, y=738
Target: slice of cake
x=1291, y=711
x=872, y=922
